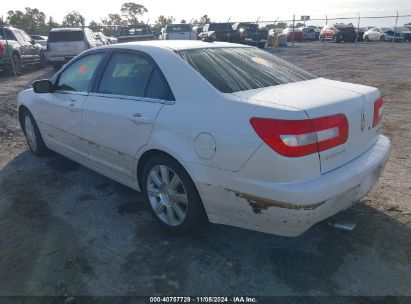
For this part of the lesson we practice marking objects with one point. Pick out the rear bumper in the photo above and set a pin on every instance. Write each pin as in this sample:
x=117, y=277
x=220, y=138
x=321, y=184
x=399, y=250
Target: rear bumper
x=289, y=209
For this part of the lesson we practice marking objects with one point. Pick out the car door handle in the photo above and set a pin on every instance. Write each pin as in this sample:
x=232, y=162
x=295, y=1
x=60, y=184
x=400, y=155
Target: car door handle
x=140, y=120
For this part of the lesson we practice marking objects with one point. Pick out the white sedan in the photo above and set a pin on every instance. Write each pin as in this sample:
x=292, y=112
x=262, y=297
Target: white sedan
x=212, y=131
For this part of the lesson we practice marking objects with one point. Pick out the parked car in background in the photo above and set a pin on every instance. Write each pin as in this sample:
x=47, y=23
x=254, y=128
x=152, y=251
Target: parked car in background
x=405, y=33
x=390, y=35
x=19, y=50
x=42, y=40
x=309, y=34
x=181, y=31
x=338, y=32
x=374, y=34
x=295, y=34
x=103, y=38
x=251, y=34
x=198, y=30
x=317, y=30
x=360, y=33
x=138, y=32
x=256, y=142
x=220, y=32
x=64, y=44
x=112, y=40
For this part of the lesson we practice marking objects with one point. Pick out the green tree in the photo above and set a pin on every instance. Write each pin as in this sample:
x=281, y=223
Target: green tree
x=31, y=20
x=204, y=20
x=112, y=23
x=51, y=23
x=95, y=26
x=74, y=19
x=132, y=11
x=183, y=21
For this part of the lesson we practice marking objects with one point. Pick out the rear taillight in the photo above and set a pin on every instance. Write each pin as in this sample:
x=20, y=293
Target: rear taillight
x=378, y=108
x=2, y=49
x=295, y=138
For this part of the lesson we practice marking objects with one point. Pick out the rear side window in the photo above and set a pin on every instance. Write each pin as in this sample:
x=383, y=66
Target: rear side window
x=78, y=75
x=66, y=36
x=126, y=74
x=240, y=69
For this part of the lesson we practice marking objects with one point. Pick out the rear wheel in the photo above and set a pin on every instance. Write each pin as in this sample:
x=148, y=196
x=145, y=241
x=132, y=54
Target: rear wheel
x=172, y=195
x=382, y=38
x=33, y=136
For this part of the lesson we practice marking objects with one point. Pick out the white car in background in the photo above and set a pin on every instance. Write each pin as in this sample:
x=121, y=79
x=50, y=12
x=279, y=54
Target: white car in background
x=64, y=44
x=383, y=34
x=215, y=131
x=178, y=32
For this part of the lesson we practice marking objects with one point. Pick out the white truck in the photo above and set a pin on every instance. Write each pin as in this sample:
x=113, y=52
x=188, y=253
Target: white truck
x=178, y=32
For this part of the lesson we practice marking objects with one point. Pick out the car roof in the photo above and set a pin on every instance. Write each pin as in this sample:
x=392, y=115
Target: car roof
x=176, y=45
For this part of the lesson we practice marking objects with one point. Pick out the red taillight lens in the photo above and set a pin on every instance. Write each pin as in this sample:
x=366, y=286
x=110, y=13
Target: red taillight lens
x=2, y=49
x=378, y=108
x=294, y=138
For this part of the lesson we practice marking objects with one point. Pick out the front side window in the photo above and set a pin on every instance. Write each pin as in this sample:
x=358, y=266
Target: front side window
x=240, y=69
x=77, y=77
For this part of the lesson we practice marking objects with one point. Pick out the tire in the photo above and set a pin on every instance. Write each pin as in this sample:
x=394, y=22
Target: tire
x=382, y=38
x=43, y=61
x=322, y=38
x=17, y=65
x=171, y=195
x=33, y=136
x=366, y=39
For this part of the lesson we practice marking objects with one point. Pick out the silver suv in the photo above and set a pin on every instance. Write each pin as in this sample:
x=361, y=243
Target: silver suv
x=65, y=43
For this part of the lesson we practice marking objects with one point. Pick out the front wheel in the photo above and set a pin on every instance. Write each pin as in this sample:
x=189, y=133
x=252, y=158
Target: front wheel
x=172, y=195
x=33, y=136
x=382, y=38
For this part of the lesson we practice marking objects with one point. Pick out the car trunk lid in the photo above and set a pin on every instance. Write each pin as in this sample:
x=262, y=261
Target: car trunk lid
x=321, y=97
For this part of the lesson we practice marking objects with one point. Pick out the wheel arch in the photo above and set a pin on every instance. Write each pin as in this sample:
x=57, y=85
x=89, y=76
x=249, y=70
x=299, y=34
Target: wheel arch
x=146, y=156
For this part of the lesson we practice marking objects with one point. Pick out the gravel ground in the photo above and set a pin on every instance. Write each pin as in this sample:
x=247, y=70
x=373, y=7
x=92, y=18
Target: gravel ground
x=65, y=230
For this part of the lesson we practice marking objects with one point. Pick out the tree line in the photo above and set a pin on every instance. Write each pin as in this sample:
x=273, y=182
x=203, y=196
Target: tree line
x=34, y=21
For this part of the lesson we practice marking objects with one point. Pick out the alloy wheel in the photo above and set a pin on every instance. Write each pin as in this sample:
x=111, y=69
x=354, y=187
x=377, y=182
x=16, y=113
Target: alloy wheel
x=167, y=195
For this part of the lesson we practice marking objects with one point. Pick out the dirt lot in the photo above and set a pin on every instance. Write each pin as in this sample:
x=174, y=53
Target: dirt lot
x=65, y=230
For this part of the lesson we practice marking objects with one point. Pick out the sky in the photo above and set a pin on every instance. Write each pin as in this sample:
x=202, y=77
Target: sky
x=222, y=10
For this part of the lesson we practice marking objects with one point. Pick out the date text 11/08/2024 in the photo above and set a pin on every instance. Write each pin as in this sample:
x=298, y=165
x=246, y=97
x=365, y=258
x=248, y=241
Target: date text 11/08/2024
x=238, y=299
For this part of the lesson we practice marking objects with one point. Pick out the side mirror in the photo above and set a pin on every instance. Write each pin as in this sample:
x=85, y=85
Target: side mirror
x=42, y=86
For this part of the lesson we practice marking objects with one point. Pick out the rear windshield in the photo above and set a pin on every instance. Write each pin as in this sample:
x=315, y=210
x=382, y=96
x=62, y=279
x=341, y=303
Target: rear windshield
x=178, y=28
x=240, y=69
x=66, y=36
x=219, y=26
x=134, y=31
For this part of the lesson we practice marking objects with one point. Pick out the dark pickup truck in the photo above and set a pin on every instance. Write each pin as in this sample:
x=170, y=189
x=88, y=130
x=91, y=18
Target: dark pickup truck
x=220, y=32
x=139, y=32
x=250, y=34
x=16, y=45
